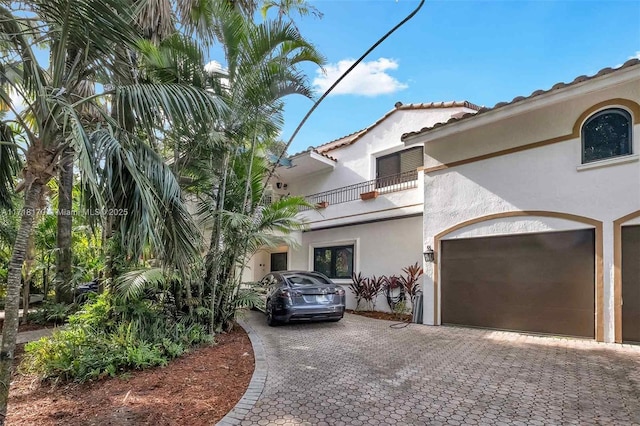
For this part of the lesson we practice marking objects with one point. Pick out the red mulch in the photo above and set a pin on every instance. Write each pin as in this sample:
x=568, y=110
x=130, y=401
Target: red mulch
x=382, y=315
x=198, y=388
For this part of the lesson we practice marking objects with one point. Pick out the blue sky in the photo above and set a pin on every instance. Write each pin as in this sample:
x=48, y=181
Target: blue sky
x=481, y=51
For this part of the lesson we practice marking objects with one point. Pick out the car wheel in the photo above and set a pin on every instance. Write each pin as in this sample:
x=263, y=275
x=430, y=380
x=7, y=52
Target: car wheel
x=271, y=321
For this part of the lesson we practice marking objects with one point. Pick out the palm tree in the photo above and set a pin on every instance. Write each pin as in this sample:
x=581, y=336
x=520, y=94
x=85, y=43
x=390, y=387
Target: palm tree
x=287, y=7
x=261, y=67
x=115, y=156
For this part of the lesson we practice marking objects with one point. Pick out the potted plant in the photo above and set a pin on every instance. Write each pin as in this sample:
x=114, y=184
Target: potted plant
x=368, y=195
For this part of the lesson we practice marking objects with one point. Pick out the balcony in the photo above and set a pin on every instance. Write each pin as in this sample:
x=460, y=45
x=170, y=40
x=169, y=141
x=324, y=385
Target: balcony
x=371, y=188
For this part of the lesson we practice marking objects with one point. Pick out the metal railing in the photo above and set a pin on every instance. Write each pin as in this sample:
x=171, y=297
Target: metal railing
x=383, y=185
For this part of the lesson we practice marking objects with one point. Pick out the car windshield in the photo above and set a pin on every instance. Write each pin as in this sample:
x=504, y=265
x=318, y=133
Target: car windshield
x=305, y=280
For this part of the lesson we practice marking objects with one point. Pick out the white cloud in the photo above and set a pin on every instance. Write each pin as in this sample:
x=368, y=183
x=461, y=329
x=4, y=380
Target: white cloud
x=367, y=79
x=214, y=66
x=17, y=101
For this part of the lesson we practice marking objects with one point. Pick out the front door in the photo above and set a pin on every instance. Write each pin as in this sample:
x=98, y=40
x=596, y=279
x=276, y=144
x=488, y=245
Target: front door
x=278, y=262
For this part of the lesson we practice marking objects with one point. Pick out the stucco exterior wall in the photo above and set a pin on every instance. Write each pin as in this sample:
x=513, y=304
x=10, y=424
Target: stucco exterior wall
x=548, y=178
x=381, y=248
x=553, y=120
x=356, y=162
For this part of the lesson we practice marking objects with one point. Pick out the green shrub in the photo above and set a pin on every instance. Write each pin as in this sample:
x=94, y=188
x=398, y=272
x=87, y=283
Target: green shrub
x=107, y=339
x=50, y=312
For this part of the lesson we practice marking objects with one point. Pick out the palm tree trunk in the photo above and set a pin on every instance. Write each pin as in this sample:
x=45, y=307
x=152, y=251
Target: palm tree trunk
x=65, y=223
x=10, y=327
x=28, y=275
x=213, y=257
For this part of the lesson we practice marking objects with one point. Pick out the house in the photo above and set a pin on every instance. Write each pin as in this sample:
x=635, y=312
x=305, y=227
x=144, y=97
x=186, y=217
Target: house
x=368, y=191
x=532, y=210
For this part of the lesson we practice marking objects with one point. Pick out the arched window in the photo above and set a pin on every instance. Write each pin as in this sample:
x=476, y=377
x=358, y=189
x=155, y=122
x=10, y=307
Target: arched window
x=606, y=134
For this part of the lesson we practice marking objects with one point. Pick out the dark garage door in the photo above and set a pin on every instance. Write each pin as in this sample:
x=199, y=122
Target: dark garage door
x=529, y=282
x=631, y=283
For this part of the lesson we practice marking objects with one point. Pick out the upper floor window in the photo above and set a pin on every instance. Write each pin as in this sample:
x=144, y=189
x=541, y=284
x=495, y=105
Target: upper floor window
x=606, y=134
x=399, y=167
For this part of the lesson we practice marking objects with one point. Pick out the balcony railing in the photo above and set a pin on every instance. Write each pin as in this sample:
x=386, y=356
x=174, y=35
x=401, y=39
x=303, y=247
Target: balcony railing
x=383, y=185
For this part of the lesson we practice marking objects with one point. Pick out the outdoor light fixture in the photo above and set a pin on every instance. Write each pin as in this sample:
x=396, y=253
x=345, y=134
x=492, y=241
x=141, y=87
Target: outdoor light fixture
x=429, y=255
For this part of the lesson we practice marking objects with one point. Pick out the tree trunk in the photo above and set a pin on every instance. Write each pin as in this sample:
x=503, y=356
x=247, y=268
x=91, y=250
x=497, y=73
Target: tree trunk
x=10, y=327
x=214, y=247
x=28, y=268
x=25, y=301
x=65, y=223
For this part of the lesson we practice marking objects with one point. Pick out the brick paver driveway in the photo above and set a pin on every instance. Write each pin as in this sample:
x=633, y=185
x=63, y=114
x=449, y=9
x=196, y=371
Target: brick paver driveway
x=362, y=372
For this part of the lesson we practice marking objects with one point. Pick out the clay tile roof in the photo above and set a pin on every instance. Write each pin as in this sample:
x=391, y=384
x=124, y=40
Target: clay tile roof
x=457, y=117
x=355, y=136
x=312, y=149
x=339, y=142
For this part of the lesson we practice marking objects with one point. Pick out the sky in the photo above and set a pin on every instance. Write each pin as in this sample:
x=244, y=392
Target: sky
x=481, y=51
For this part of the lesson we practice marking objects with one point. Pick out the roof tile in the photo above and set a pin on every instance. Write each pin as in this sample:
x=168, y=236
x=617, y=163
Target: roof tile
x=557, y=86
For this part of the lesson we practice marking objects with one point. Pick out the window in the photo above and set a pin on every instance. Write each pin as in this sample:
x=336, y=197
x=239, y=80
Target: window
x=398, y=167
x=278, y=262
x=606, y=134
x=334, y=262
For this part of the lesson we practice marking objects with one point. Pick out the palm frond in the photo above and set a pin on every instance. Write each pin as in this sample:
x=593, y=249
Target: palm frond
x=138, y=183
x=178, y=103
x=131, y=285
x=9, y=165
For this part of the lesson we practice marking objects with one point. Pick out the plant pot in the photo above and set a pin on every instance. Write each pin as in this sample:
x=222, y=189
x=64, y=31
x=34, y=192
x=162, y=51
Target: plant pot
x=368, y=195
x=322, y=205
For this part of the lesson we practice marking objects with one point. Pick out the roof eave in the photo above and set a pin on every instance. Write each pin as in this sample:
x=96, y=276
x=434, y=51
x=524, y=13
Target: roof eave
x=536, y=102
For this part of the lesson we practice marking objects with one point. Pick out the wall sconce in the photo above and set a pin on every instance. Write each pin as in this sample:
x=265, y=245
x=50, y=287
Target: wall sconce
x=429, y=255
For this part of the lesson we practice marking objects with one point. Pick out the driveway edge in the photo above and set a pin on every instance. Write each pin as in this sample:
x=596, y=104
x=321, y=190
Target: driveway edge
x=256, y=385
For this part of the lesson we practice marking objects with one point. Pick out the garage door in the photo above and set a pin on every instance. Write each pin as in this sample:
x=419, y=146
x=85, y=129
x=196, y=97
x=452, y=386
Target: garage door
x=543, y=282
x=631, y=283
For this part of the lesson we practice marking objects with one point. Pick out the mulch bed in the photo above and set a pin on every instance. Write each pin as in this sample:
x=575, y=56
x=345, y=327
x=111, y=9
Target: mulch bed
x=381, y=315
x=198, y=388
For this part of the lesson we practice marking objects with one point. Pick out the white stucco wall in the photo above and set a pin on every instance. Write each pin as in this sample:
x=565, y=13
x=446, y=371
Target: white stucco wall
x=547, y=178
x=381, y=248
x=356, y=162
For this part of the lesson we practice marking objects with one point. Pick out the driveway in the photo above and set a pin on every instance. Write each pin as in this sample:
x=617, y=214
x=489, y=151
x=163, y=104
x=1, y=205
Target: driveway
x=361, y=371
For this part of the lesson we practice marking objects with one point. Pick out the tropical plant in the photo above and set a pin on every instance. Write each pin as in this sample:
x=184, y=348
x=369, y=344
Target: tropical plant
x=357, y=287
x=261, y=67
x=118, y=165
x=393, y=291
x=411, y=283
x=366, y=289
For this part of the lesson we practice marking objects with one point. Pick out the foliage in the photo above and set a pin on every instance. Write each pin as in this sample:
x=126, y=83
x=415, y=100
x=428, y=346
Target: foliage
x=50, y=312
x=150, y=128
x=400, y=309
x=400, y=290
x=107, y=338
x=411, y=282
x=393, y=290
x=366, y=289
x=357, y=287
